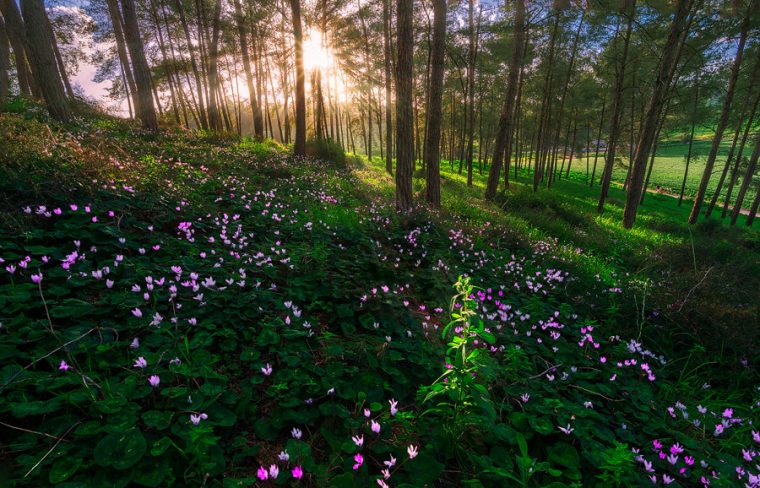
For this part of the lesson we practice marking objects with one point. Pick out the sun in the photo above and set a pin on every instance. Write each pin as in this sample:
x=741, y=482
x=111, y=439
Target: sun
x=315, y=54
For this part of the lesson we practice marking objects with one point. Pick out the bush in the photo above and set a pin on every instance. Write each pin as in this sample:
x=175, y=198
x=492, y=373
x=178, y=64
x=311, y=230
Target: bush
x=327, y=150
x=262, y=149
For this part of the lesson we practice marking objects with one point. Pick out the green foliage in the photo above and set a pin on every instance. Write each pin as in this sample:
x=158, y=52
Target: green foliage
x=327, y=150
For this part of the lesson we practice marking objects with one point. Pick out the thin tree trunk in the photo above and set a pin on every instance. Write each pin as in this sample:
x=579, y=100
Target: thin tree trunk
x=737, y=162
x=193, y=63
x=543, y=119
x=388, y=87
x=723, y=121
x=146, y=112
x=5, y=63
x=299, y=149
x=507, y=112
x=617, y=109
x=748, y=174
x=753, y=209
x=598, y=140
x=691, y=142
x=404, y=109
x=435, y=95
x=16, y=31
x=665, y=74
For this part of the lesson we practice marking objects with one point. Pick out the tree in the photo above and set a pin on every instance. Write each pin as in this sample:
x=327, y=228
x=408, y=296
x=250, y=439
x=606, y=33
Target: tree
x=723, y=121
x=506, y=118
x=258, y=129
x=389, y=85
x=16, y=31
x=145, y=109
x=299, y=148
x=42, y=59
x=404, y=109
x=748, y=174
x=668, y=60
x=435, y=95
x=214, y=117
x=5, y=62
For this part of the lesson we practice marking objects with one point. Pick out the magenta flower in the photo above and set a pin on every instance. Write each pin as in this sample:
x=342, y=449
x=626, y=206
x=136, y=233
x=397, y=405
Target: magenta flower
x=412, y=451
x=262, y=473
x=37, y=278
x=137, y=313
x=140, y=363
x=64, y=366
x=154, y=381
x=359, y=461
x=358, y=440
x=394, y=407
x=297, y=472
x=375, y=427
x=267, y=370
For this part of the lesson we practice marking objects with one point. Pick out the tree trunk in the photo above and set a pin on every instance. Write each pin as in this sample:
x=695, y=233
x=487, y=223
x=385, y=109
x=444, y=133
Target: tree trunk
x=435, y=96
x=299, y=148
x=258, y=131
x=665, y=74
x=598, y=140
x=121, y=48
x=506, y=117
x=214, y=101
x=5, y=63
x=193, y=64
x=16, y=32
x=722, y=122
x=753, y=209
x=617, y=109
x=691, y=143
x=404, y=110
x=748, y=174
x=146, y=112
x=42, y=59
x=388, y=86
x=543, y=119
x=737, y=163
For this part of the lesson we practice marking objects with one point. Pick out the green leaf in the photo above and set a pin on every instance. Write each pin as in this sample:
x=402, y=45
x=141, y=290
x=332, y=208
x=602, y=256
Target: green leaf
x=63, y=468
x=121, y=450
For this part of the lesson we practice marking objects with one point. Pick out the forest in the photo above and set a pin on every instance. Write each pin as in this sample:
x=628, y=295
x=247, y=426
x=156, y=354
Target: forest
x=394, y=243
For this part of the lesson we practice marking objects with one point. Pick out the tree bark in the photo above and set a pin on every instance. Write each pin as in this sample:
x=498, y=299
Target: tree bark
x=748, y=174
x=665, y=74
x=146, y=112
x=598, y=139
x=617, y=109
x=244, y=50
x=193, y=64
x=389, y=87
x=691, y=143
x=16, y=32
x=435, y=96
x=42, y=59
x=506, y=117
x=5, y=63
x=737, y=162
x=722, y=122
x=404, y=110
x=299, y=148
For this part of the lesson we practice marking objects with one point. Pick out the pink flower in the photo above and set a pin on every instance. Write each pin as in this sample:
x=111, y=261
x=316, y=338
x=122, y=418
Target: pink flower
x=297, y=472
x=274, y=471
x=267, y=370
x=394, y=407
x=359, y=461
x=358, y=440
x=262, y=473
x=37, y=278
x=154, y=381
x=137, y=313
x=140, y=363
x=412, y=451
x=64, y=366
x=375, y=427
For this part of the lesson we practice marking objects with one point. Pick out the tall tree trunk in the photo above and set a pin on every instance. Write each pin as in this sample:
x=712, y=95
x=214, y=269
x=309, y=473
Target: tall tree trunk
x=737, y=132
x=691, y=143
x=723, y=121
x=299, y=148
x=737, y=163
x=244, y=51
x=435, y=96
x=598, y=140
x=42, y=59
x=617, y=109
x=665, y=73
x=16, y=32
x=748, y=174
x=389, y=87
x=121, y=48
x=471, y=87
x=193, y=64
x=755, y=205
x=506, y=118
x=404, y=109
x=5, y=63
x=146, y=112
x=214, y=101
x=542, y=145
x=572, y=145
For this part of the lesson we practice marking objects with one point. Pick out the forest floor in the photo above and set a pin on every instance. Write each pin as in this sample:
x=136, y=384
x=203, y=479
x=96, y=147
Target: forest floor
x=195, y=309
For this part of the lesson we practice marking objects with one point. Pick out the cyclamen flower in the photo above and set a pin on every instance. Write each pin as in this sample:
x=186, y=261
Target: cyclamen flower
x=140, y=363
x=375, y=427
x=525, y=397
x=718, y=429
x=367, y=413
x=394, y=405
x=64, y=366
x=137, y=313
x=359, y=461
x=566, y=430
x=37, y=278
x=727, y=413
x=412, y=451
x=756, y=436
x=274, y=471
x=382, y=484
x=283, y=456
x=267, y=370
x=296, y=433
x=358, y=440
x=297, y=472
x=262, y=473
x=196, y=419
x=154, y=381
x=391, y=462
